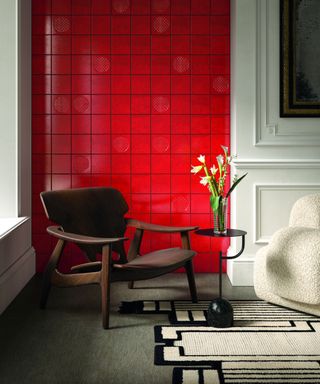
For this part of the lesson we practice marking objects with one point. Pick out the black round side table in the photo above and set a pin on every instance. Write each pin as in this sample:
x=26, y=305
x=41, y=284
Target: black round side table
x=220, y=311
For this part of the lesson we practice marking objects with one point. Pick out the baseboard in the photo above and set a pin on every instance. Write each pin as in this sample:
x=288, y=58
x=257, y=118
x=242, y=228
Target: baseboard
x=16, y=277
x=240, y=271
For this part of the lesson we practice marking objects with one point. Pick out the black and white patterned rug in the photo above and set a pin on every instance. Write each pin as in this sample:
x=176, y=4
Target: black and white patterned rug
x=267, y=344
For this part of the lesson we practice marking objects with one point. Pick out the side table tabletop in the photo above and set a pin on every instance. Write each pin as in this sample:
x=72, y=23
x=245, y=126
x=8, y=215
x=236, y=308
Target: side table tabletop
x=220, y=311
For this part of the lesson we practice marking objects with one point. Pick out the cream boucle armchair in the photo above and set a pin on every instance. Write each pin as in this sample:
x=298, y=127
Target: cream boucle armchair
x=287, y=270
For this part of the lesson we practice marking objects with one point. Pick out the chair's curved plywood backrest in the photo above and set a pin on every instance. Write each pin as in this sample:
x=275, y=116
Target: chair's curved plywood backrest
x=95, y=211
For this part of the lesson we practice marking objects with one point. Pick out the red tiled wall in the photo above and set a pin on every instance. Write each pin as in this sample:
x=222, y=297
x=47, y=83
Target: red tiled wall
x=128, y=93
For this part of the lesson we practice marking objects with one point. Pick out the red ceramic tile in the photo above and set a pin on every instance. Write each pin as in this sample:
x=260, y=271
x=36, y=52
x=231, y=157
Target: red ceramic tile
x=200, y=64
x=61, y=124
x=100, y=7
x=81, y=144
x=200, y=25
x=100, y=84
x=180, y=84
x=61, y=45
x=160, y=183
x=200, y=203
x=41, y=124
x=180, y=203
x=220, y=105
x=160, y=124
x=61, y=104
x=41, y=84
x=61, y=7
x=120, y=104
x=140, y=84
x=61, y=182
x=160, y=203
x=201, y=84
x=81, y=181
x=81, y=104
x=140, y=104
x=180, y=144
x=61, y=164
x=160, y=45
x=140, y=124
x=160, y=24
x=180, y=7
x=140, y=25
x=100, y=104
x=41, y=104
x=101, y=180
x=120, y=164
x=81, y=7
x=160, y=64
x=140, y=44
x=160, y=84
x=121, y=65
x=100, y=24
x=220, y=84
x=41, y=64
x=140, y=7
x=120, y=124
x=220, y=25
x=40, y=7
x=99, y=164
x=81, y=25
x=140, y=164
x=200, y=124
x=200, y=44
x=140, y=64
x=81, y=124
x=220, y=7
x=200, y=104
x=41, y=163
x=81, y=45
x=180, y=104
x=220, y=45
x=180, y=163
x=180, y=44
x=160, y=164
x=81, y=64
x=121, y=182
x=100, y=123
x=180, y=124
x=41, y=143
x=200, y=144
x=140, y=203
x=41, y=44
x=220, y=64
x=61, y=64
x=140, y=144
x=81, y=84
x=181, y=25
x=120, y=44
x=141, y=184
x=100, y=144
x=120, y=84
x=120, y=143
x=61, y=144
x=100, y=44
x=220, y=124
x=120, y=25
x=61, y=84
x=200, y=7
x=41, y=24
x=180, y=183
x=160, y=104
x=81, y=164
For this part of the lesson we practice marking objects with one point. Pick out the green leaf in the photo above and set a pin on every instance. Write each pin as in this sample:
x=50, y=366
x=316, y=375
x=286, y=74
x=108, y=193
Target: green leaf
x=235, y=184
x=214, y=202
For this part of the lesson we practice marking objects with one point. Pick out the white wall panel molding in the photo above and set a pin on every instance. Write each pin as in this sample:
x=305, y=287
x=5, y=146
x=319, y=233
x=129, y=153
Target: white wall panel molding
x=270, y=129
x=276, y=163
x=272, y=204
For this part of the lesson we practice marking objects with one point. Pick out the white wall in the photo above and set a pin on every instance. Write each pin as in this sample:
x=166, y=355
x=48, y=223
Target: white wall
x=17, y=256
x=281, y=155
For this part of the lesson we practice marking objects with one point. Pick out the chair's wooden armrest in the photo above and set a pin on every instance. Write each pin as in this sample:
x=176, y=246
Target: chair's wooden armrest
x=158, y=228
x=81, y=239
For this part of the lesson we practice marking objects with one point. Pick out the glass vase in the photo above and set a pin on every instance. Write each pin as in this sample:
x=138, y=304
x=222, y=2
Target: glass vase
x=220, y=217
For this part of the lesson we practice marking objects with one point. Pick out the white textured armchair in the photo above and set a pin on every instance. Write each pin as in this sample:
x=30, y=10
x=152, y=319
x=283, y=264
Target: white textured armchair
x=287, y=270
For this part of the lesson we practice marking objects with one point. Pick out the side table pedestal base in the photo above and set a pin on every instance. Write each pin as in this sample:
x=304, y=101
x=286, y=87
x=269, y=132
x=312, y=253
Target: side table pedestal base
x=220, y=313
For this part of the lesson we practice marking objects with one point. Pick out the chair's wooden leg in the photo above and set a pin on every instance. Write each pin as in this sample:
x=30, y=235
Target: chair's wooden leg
x=191, y=281
x=105, y=285
x=131, y=284
x=51, y=266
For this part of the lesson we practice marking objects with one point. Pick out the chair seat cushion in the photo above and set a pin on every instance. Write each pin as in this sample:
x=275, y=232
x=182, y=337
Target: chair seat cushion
x=158, y=259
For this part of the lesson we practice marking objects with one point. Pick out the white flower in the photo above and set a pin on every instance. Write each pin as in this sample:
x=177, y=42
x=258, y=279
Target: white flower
x=196, y=168
x=204, y=180
x=213, y=170
x=225, y=149
x=202, y=159
x=220, y=159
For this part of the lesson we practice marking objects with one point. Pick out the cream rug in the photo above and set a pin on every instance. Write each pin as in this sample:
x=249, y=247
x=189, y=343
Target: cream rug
x=267, y=344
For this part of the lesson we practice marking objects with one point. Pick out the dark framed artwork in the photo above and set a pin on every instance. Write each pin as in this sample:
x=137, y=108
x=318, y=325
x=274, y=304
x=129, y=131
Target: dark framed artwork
x=300, y=58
